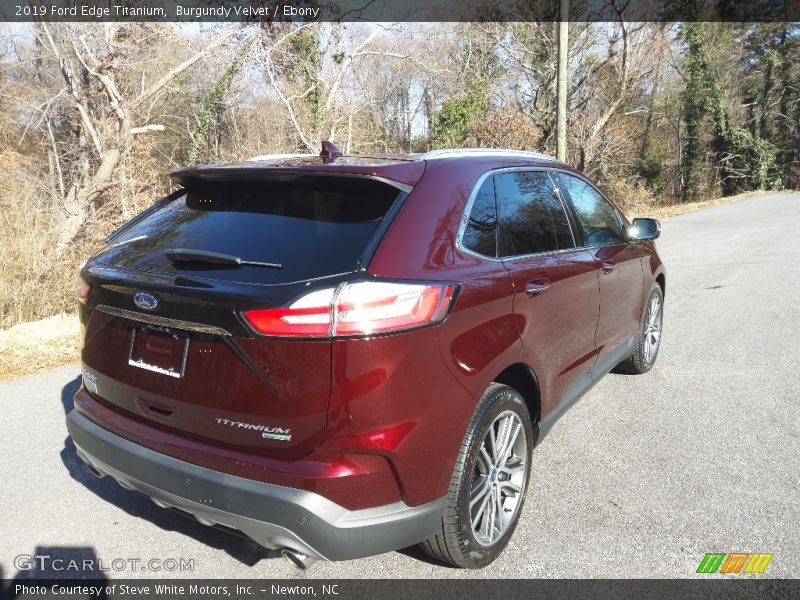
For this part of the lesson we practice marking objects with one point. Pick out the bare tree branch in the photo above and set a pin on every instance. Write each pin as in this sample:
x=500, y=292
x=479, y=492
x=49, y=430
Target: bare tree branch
x=69, y=77
x=284, y=100
x=175, y=71
x=346, y=65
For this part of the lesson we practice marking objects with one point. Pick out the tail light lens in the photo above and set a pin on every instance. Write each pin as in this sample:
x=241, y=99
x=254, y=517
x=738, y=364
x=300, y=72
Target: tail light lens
x=355, y=309
x=377, y=307
x=310, y=316
x=82, y=289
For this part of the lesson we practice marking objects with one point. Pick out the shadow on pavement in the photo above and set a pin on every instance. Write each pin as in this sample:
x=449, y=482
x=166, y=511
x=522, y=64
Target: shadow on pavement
x=137, y=505
x=419, y=554
x=55, y=562
x=60, y=562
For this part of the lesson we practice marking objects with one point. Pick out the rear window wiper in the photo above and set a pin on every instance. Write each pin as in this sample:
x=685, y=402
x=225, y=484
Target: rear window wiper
x=213, y=258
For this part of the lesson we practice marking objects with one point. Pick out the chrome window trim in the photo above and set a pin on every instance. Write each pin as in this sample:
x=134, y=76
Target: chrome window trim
x=458, y=152
x=162, y=321
x=266, y=157
x=462, y=226
x=471, y=200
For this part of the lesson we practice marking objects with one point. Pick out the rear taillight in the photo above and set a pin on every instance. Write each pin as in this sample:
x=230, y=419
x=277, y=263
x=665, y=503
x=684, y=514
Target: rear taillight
x=357, y=309
x=310, y=316
x=83, y=289
x=378, y=307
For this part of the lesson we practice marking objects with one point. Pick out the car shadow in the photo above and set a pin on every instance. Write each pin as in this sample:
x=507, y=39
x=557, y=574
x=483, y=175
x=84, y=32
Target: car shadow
x=137, y=505
x=54, y=563
x=419, y=554
x=61, y=562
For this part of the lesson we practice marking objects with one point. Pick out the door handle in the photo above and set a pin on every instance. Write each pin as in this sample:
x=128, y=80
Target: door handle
x=536, y=287
x=608, y=266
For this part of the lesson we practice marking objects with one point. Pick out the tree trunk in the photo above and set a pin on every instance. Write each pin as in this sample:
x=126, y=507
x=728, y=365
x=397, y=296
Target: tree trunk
x=563, y=51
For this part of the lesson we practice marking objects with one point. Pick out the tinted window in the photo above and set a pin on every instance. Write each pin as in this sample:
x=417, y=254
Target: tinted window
x=311, y=225
x=480, y=234
x=531, y=216
x=598, y=218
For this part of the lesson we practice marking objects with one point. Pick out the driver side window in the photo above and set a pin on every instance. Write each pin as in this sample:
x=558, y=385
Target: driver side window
x=599, y=219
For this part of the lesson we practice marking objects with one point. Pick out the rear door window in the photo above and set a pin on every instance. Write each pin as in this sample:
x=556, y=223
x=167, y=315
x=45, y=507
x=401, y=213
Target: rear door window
x=531, y=217
x=312, y=226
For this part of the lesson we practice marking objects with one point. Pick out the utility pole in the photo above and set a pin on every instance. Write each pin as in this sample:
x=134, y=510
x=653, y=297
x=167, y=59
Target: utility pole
x=563, y=49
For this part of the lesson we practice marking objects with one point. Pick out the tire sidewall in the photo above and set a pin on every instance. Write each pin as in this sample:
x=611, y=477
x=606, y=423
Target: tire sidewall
x=646, y=366
x=501, y=400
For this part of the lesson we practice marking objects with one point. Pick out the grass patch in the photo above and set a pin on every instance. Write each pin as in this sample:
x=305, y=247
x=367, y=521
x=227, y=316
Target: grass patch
x=29, y=348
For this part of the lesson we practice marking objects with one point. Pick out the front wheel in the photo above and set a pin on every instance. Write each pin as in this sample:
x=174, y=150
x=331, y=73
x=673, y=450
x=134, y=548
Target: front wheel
x=649, y=339
x=489, y=482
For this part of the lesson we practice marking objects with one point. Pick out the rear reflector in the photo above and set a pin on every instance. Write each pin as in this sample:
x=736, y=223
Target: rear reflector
x=83, y=289
x=357, y=309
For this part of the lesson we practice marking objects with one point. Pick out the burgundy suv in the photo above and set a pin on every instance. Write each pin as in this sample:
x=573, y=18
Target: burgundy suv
x=340, y=355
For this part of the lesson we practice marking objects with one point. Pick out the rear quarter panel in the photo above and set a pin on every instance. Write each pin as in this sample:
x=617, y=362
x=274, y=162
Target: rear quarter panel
x=471, y=347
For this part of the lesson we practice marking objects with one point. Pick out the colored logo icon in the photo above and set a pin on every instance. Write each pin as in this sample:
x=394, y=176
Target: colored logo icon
x=734, y=562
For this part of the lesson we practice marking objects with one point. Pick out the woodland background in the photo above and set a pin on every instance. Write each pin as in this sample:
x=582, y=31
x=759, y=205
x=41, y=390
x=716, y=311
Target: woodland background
x=94, y=115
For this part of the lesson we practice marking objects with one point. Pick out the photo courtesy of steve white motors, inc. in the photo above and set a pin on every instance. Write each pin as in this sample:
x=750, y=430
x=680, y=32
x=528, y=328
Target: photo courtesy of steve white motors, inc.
x=388, y=294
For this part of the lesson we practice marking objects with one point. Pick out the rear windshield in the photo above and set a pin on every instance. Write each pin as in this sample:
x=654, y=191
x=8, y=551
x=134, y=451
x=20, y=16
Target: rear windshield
x=312, y=226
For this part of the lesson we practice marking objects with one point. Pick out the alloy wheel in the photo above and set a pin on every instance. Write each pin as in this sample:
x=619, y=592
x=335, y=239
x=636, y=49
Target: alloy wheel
x=498, y=481
x=652, y=329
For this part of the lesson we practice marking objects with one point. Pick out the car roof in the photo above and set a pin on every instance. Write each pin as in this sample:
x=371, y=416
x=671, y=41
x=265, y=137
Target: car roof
x=405, y=169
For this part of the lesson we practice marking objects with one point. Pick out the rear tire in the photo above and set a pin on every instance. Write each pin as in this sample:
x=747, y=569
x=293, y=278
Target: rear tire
x=649, y=339
x=489, y=482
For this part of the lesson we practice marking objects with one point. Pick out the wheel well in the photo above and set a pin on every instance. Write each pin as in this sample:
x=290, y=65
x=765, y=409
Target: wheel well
x=520, y=377
x=661, y=281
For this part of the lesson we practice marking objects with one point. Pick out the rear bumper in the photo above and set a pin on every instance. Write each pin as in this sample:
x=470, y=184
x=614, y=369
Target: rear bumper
x=272, y=515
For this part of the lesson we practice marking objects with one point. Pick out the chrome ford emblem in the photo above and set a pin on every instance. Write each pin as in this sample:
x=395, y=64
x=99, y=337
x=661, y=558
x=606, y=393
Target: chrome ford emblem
x=145, y=301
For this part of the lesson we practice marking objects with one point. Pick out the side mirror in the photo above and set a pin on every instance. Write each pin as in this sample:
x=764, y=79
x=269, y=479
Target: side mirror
x=644, y=229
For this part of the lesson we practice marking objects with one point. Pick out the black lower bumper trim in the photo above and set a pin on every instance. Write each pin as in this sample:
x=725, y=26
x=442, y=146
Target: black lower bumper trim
x=272, y=515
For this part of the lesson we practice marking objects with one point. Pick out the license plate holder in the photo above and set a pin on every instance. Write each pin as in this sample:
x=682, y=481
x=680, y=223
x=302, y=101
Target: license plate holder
x=160, y=351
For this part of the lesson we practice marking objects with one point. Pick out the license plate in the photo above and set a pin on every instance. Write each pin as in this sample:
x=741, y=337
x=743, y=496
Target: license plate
x=161, y=352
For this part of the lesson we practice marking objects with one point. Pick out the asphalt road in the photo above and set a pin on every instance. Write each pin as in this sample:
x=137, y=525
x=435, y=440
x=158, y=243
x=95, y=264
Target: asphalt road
x=639, y=479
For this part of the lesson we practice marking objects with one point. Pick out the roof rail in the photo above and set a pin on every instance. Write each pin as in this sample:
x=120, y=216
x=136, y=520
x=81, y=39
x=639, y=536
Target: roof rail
x=263, y=157
x=455, y=152
x=329, y=153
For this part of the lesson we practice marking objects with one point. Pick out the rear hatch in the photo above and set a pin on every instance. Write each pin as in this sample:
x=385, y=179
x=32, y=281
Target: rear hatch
x=165, y=339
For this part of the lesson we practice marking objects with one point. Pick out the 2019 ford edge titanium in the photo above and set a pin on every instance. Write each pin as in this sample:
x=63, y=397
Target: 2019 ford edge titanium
x=340, y=356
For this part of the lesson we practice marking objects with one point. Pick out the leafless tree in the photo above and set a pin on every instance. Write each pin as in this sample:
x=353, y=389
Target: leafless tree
x=111, y=94
x=632, y=50
x=315, y=72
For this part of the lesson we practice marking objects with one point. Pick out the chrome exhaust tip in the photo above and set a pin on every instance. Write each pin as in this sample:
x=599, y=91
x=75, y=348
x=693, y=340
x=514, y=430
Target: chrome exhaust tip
x=299, y=560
